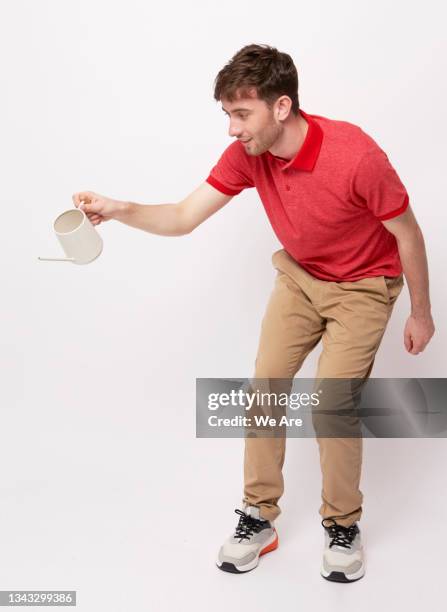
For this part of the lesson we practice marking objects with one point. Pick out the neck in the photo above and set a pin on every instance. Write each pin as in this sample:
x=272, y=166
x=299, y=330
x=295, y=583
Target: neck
x=289, y=143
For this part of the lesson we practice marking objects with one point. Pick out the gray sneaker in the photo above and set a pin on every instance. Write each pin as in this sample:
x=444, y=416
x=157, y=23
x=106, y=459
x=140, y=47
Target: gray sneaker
x=343, y=553
x=252, y=538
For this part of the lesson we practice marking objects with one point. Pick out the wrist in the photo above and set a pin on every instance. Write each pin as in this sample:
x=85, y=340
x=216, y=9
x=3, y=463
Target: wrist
x=123, y=210
x=421, y=312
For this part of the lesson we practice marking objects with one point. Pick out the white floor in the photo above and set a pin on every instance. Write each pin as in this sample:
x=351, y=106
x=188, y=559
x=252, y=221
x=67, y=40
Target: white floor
x=134, y=523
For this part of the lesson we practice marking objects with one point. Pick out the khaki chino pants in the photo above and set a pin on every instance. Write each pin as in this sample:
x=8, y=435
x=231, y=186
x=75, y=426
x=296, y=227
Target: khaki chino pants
x=350, y=318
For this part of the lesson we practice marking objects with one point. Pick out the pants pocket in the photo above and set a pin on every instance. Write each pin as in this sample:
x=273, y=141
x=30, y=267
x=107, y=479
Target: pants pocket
x=393, y=286
x=275, y=257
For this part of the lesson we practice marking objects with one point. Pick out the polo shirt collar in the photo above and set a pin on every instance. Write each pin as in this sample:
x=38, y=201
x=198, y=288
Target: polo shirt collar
x=307, y=156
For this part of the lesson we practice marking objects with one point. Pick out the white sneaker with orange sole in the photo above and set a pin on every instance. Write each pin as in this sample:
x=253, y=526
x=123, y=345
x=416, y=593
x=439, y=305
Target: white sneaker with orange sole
x=252, y=538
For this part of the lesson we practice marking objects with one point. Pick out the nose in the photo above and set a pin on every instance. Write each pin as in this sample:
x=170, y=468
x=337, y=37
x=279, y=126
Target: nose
x=234, y=130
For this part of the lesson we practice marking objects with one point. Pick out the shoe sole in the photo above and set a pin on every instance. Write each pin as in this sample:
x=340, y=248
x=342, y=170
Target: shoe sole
x=342, y=577
x=243, y=569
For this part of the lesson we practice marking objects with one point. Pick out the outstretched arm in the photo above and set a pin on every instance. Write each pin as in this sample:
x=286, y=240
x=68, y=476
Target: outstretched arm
x=164, y=219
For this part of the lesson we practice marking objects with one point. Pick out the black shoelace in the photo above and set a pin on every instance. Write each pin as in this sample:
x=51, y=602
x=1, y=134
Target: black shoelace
x=247, y=526
x=341, y=536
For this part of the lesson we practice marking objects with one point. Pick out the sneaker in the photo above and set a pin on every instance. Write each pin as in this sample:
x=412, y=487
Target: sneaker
x=253, y=537
x=343, y=553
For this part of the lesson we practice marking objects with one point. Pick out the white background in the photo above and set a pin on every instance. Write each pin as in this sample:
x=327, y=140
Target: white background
x=104, y=487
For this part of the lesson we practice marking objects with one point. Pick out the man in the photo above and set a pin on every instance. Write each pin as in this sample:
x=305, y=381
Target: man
x=343, y=217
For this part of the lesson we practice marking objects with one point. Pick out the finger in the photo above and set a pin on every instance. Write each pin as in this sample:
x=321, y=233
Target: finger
x=421, y=346
x=408, y=343
x=86, y=196
x=89, y=208
x=416, y=347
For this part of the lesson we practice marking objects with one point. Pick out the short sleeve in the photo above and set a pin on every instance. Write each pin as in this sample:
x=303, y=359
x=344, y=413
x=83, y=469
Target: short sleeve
x=232, y=173
x=376, y=184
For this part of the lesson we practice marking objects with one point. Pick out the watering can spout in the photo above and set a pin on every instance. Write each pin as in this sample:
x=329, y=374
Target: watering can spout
x=56, y=258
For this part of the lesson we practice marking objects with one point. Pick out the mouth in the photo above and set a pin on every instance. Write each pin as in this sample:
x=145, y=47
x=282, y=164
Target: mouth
x=245, y=141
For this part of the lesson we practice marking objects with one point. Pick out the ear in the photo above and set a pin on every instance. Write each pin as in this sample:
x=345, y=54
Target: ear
x=283, y=108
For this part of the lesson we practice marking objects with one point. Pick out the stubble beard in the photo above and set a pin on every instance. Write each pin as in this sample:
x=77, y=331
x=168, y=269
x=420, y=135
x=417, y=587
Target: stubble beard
x=265, y=141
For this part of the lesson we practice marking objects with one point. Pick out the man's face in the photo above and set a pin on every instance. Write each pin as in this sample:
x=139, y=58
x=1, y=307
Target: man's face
x=253, y=123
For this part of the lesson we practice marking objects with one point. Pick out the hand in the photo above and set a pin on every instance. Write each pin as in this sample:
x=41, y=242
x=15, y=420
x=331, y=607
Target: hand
x=417, y=333
x=98, y=208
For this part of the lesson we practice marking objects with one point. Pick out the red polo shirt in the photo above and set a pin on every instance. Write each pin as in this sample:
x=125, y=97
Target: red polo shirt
x=327, y=203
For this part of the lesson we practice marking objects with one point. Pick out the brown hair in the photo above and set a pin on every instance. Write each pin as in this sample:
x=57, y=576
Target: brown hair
x=270, y=72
